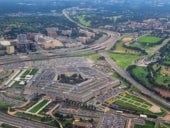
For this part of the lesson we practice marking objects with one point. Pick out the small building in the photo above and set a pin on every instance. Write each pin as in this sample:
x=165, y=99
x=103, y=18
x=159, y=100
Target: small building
x=22, y=83
x=143, y=116
x=10, y=50
x=5, y=43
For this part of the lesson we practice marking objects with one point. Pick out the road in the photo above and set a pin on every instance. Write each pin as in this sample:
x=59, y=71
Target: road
x=21, y=122
x=99, y=46
x=116, y=67
x=132, y=81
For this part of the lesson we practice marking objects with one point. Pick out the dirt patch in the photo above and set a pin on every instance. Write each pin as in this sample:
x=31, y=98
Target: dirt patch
x=53, y=44
x=167, y=117
x=155, y=109
x=164, y=93
x=127, y=39
x=165, y=70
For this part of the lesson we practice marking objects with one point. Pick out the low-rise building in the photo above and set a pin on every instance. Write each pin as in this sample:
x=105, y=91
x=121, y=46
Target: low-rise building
x=10, y=50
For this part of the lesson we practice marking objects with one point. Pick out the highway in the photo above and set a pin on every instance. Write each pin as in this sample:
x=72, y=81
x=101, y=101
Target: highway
x=115, y=67
x=125, y=75
x=21, y=122
x=99, y=46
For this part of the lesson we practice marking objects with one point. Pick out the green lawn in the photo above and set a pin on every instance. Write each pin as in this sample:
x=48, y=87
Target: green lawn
x=4, y=105
x=95, y=57
x=29, y=72
x=140, y=74
x=33, y=72
x=25, y=73
x=7, y=126
x=161, y=126
x=148, y=124
x=124, y=60
x=133, y=102
x=83, y=21
x=92, y=55
x=120, y=49
x=27, y=116
x=16, y=83
x=149, y=39
x=39, y=106
x=135, y=98
x=163, y=80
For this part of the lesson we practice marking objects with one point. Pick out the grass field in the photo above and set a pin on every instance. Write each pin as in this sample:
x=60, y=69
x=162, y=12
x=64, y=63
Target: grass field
x=4, y=105
x=162, y=126
x=29, y=72
x=83, y=21
x=163, y=80
x=148, y=124
x=92, y=55
x=132, y=102
x=37, y=107
x=95, y=57
x=124, y=60
x=120, y=49
x=149, y=39
x=33, y=71
x=4, y=125
x=129, y=101
x=36, y=118
x=140, y=74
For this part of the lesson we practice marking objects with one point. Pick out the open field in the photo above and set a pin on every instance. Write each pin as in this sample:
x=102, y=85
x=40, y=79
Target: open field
x=135, y=103
x=4, y=105
x=149, y=39
x=95, y=57
x=165, y=70
x=162, y=126
x=162, y=80
x=148, y=124
x=123, y=60
x=27, y=116
x=29, y=72
x=38, y=106
x=92, y=55
x=140, y=74
x=127, y=39
x=150, y=44
x=160, y=77
x=120, y=49
x=4, y=125
x=82, y=20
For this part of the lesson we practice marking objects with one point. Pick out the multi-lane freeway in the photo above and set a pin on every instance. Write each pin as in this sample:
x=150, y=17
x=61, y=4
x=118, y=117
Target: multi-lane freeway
x=110, y=43
x=21, y=122
x=131, y=80
x=99, y=46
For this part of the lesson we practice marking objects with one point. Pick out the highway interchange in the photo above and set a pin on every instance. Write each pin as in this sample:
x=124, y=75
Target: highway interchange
x=100, y=47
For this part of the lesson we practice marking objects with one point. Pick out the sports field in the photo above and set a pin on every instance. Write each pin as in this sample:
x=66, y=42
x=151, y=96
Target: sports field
x=39, y=106
x=149, y=39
